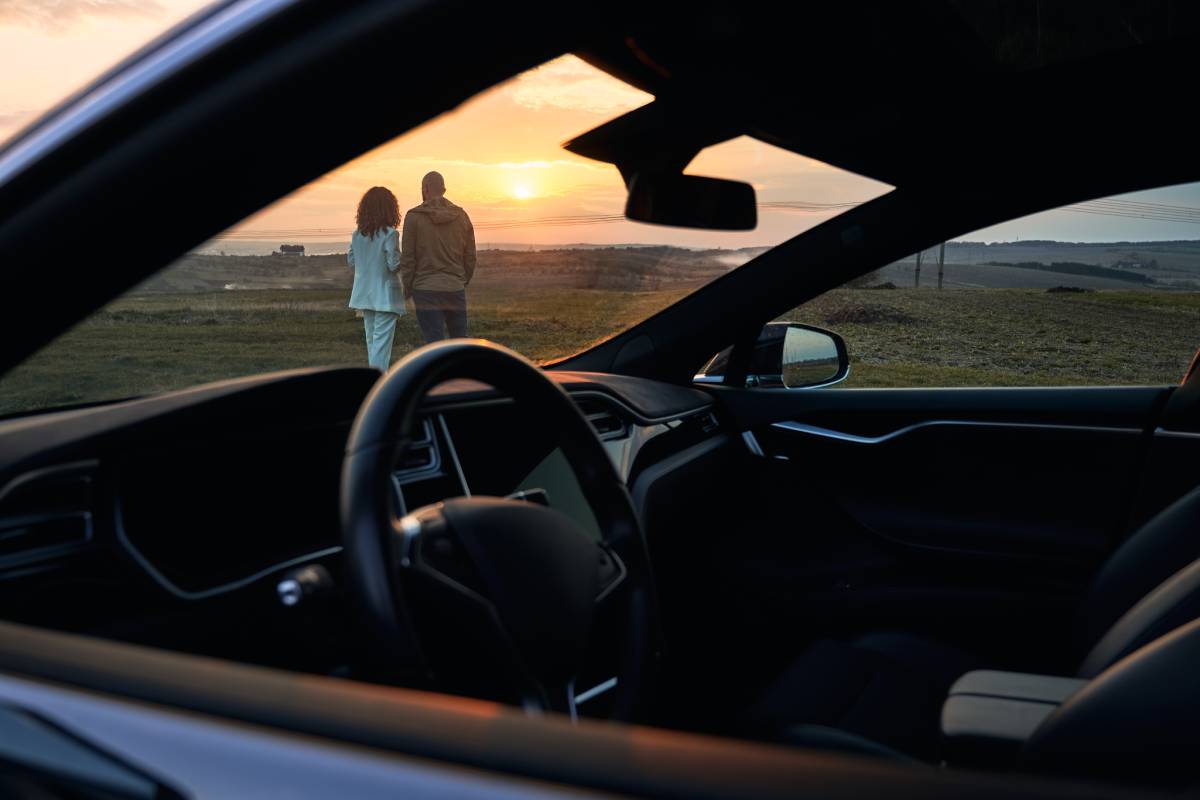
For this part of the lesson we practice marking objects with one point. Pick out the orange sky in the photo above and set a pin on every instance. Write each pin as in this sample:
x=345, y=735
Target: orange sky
x=50, y=48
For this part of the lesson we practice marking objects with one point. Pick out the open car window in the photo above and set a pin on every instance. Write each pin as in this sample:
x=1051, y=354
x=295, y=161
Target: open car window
x=528, y=246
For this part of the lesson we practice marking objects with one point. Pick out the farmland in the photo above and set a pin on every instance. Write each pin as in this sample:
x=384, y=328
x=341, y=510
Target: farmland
x=214, y=317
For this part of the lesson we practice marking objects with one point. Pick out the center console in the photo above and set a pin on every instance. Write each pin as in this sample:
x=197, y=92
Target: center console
x=989, y=714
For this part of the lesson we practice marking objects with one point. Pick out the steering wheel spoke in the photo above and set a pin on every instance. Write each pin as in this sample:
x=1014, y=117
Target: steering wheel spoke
x=425, y=543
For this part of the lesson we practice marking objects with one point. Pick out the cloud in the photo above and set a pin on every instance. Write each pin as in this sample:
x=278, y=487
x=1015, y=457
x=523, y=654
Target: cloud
x=430, y=162
x=56, y=15
x=571, y=84
x=13, y=120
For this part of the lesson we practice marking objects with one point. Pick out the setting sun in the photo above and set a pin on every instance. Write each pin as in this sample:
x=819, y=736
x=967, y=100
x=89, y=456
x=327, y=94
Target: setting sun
x=522, y=191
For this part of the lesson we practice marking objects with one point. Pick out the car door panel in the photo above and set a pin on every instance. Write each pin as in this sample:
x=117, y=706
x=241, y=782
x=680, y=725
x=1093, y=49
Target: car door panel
x=976, y=514
x=980, y=487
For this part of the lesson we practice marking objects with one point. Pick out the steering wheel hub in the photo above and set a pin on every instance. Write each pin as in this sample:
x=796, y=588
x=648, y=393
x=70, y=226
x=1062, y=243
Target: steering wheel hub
x=533, y=568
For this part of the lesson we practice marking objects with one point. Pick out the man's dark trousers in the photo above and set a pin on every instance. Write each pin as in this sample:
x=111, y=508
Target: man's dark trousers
x=439, y=313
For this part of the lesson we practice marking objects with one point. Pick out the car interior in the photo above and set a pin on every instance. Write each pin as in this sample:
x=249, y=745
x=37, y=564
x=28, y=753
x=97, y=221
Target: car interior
x=865, y=588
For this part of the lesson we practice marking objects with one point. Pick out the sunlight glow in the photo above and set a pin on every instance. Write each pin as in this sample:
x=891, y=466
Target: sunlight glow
x=522, y=191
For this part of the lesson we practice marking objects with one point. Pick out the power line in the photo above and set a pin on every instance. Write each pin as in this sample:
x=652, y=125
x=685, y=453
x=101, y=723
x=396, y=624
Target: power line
x=1132, y=213
x=1150, y=213
x=1149, y=206
x=807, y=206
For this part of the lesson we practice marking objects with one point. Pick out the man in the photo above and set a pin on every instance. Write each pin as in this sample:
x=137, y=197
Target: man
x=437, y=261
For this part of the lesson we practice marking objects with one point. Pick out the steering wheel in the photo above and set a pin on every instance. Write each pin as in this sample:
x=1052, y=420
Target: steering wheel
x=503, y=589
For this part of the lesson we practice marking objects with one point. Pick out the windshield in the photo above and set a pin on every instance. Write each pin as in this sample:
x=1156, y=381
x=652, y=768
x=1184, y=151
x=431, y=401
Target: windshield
x=515, y=240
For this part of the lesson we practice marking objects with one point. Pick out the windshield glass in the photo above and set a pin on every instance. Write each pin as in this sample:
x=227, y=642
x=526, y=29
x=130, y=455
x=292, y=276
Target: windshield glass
x=51, y=48
x=515, y=240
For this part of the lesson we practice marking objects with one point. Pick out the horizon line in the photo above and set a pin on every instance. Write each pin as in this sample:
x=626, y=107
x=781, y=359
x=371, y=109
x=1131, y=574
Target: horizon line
x=212, y=243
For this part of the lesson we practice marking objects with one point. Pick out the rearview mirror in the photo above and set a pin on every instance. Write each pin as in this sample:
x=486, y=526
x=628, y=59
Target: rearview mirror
x=787, y=355
x=690, y=201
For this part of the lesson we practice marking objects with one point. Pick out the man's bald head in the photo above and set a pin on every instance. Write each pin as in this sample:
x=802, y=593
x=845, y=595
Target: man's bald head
x=433, y=185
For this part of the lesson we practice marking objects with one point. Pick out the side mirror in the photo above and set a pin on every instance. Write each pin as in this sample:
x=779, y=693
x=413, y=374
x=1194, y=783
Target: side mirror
x=690, y=201
x=787, y=355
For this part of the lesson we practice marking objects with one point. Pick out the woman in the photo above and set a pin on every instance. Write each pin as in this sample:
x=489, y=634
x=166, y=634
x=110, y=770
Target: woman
x=375, y=254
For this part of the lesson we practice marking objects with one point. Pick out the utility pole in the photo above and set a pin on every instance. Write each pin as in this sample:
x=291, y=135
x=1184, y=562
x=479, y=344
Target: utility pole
x=917, y=283
x=941, y=263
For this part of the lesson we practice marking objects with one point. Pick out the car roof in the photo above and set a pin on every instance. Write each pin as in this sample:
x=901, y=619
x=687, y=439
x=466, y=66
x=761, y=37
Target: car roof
x=899, y=92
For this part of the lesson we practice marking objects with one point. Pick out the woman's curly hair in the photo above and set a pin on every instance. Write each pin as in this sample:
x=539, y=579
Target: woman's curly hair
x=377, y=210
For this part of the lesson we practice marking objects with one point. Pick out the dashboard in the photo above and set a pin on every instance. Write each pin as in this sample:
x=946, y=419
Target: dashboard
x=213, y=490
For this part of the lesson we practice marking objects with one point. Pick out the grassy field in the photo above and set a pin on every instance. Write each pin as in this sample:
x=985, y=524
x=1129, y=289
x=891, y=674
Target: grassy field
x=155, y=342
x=958, y=337
x=1011, y=337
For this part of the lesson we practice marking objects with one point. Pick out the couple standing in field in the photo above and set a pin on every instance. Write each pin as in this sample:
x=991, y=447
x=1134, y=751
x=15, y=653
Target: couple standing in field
x=435, y=258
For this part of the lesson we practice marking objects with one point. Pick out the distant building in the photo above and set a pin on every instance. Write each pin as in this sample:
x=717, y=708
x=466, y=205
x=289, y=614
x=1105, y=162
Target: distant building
x=289, y=250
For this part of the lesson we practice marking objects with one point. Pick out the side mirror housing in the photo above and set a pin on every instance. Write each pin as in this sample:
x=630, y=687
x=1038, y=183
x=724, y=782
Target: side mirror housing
x=787, y=355
x=690, y=201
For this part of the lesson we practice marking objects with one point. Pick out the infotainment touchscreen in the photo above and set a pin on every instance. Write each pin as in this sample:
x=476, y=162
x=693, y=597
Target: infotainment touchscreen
x=502, y=451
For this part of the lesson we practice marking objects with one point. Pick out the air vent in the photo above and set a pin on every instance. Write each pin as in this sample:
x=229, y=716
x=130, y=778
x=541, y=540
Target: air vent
x=417, y=458
x=47, y=511
x=604, y=419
